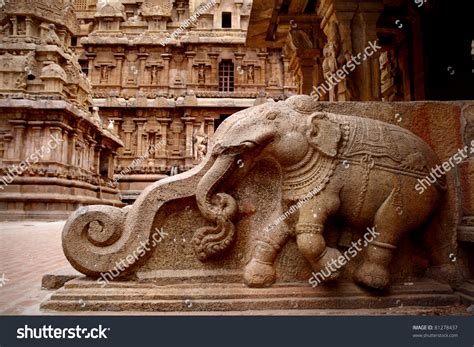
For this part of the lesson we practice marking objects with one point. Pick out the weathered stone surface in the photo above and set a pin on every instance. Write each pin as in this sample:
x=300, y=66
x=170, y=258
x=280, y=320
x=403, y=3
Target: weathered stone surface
x=244, y=184
x=57, y=279
x=86, y=295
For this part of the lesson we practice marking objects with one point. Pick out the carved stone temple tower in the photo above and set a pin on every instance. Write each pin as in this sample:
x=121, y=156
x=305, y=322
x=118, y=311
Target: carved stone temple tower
x=167, y=73
x=54, y=155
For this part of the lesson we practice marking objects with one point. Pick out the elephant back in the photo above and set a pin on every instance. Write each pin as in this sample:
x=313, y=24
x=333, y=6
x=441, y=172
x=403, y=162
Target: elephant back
x=388, y=145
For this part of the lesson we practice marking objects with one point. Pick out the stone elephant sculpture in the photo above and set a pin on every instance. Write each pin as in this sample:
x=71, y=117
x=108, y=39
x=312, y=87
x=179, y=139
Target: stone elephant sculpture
x=358, y=170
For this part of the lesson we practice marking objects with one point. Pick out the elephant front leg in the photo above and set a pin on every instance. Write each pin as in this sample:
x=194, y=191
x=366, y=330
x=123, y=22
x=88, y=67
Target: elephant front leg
x=309, y=236
x=260, y=271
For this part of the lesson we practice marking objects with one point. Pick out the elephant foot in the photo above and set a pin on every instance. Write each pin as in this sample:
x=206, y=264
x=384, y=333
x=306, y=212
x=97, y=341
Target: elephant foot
x=372, y=275
x=259, y=274
x=324, y=264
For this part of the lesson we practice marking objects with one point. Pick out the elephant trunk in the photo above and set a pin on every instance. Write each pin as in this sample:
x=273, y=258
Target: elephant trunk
x=219, y=208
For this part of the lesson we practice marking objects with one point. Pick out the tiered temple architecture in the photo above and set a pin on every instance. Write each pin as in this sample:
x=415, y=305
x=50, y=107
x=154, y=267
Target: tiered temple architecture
x=127, y=96
x=165, y=94
x=136, y=88
x=55, y=155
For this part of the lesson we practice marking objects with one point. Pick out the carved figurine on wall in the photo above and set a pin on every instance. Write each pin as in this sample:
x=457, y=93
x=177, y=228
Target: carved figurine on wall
x=200, y=142
x=201, y=74
x=104, y=73
x=51, y=37
x=136, y=18
x=330, y=66
x=154, y=74
x=250, y=74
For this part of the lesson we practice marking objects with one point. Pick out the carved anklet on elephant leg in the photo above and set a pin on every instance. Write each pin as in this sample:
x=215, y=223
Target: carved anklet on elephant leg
x=312, y=245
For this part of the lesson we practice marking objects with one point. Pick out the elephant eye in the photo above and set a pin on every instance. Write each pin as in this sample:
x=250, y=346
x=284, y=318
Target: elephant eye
x=271, y=116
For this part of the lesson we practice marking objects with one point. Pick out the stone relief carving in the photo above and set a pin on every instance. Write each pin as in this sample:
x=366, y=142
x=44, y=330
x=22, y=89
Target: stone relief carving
x=200, y=143
x=389, y=75
x=312, y=148
x=51, y=37
x=250, y=74
x=157, y=8
x=330, y=66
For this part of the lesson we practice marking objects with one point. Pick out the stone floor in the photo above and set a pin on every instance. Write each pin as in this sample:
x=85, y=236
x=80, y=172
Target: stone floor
x=28, y=250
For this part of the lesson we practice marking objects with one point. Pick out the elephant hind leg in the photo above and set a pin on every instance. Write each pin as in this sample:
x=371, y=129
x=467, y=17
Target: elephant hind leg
x=389, y=227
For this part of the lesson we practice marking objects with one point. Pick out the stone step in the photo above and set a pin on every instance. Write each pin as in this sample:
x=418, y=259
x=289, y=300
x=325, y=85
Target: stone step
x=84, y=295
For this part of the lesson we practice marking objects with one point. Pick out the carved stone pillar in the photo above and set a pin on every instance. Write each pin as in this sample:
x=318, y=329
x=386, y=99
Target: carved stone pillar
x=166, y=69
x=239, y=76
x=97, y=151
x=367, y=75
x=189, y=123
x=286, y=72
x=142, y=56
x=263, y=63
x=65, y=147
x=90, y=57
x=72, y=149
x=56, y=133
x=238, y=8
x=92, y=163
x=213, y=56
x=28, y=25
x=19, y=150
x=140, y=124
x=164, y=136
x=87, y=153
x=128, y=126
x=37, y=141
x=306, y=59
x=44, y=136
x=210, y=126
x=110, y=159
x=120, y=56
x=14, y=21
x=176, y=129
x=190, y=73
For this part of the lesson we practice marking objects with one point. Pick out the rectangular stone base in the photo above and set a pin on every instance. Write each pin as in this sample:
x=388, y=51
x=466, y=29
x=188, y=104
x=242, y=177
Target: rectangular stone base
x=85, y=294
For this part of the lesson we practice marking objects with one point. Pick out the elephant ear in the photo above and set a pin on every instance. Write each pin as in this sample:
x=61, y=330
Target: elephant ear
x=323, y=133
